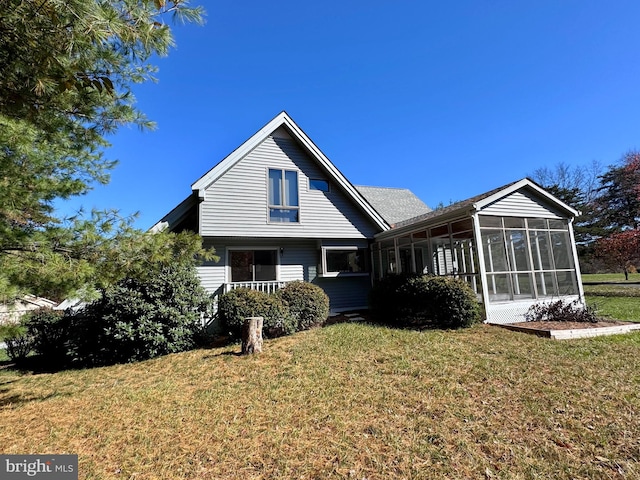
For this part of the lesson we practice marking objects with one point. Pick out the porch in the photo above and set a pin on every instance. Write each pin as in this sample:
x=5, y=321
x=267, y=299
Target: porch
x=262, y=286
x=512, y=257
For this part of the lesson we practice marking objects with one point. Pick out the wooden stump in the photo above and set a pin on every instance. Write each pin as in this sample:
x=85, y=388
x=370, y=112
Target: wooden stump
x=252, y=335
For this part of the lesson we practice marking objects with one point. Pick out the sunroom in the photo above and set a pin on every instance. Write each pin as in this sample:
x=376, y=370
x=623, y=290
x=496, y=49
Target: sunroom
x=514, y=246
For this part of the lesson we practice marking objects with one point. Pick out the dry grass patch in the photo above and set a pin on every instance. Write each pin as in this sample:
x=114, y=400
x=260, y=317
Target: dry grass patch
x=347, y=401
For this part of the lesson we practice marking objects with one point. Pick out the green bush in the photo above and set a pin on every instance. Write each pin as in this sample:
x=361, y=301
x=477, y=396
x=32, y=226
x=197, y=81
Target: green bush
x=19, y=342
x=44, y=332
x=50, y=333
x=308, y=304
x=236, y=305
x=384, y=299
x=137, y=320
x=419, y=301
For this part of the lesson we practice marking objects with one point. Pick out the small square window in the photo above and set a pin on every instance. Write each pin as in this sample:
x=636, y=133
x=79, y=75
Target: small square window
x=318, y=184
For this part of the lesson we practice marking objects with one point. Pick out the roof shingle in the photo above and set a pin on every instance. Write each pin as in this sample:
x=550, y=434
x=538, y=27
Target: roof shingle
x=394, y=204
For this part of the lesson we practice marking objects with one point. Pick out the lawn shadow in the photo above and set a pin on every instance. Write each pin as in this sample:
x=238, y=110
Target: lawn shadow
x=221, y=354
x=18, y=400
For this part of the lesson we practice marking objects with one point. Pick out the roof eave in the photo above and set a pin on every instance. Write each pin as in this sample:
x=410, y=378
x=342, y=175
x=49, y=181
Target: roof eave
x=528, y=183
x=283, y=120
x=462, y=212
x=175, y=215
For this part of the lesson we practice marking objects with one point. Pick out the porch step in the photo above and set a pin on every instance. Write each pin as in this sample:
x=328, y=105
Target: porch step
x=354, y=317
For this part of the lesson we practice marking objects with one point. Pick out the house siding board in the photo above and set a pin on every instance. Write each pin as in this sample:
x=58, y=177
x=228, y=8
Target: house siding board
x=521, y=204
x=298, y=261
x=236, y=203
x=346, y=293
x=212, y=274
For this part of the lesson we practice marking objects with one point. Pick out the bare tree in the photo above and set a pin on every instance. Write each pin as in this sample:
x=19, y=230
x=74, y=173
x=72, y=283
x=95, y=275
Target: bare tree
x=574, y=182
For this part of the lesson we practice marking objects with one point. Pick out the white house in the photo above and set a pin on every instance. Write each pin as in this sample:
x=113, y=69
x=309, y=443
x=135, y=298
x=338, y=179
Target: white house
x=276, y=210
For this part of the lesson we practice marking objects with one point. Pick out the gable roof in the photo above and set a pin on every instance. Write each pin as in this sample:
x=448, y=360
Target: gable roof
x=175, y=216
x=284, y=120
x=485, y=199
x=394, y=204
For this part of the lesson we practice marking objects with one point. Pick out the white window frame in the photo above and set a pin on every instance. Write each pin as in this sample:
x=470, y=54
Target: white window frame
x=271, y=206
x=323, y=261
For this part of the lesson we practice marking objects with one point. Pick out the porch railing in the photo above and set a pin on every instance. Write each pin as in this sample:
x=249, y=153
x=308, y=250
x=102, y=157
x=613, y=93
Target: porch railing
x=266, y=287
x=212, y=323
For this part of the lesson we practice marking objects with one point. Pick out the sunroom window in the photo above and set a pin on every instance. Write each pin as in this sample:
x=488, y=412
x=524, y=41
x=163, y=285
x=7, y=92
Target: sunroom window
x=527, y=258
x=283, y=196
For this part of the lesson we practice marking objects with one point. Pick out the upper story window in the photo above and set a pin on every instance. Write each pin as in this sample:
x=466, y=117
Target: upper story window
x=318, y=184
x=283, y=196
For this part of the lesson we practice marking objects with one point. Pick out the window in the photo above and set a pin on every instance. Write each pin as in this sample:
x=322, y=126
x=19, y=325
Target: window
x=318, y=184
x=527, y=258
x=253, y=265
x=344, y=260
x=283, y=196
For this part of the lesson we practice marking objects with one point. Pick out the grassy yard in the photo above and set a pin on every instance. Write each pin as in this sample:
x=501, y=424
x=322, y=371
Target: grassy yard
x=619, y=308
x=613, y=298
x=348, y=401
x=610, y=277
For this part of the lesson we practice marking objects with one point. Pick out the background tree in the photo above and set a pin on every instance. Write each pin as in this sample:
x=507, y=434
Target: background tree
x=618, y=200
x=632, y=166
x=66, y=72
x=576, y=186
x=620, y=250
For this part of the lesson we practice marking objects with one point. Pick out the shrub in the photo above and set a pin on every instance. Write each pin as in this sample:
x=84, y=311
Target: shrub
x=141, y=319
x=308, y=303
x=561, y=311
x=50, y=331
x=385, y=299
x=19, y=342
x=416, y=301
x=236, y=305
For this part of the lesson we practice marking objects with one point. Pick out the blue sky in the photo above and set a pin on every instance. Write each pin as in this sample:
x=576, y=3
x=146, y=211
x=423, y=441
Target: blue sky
x=448, y=99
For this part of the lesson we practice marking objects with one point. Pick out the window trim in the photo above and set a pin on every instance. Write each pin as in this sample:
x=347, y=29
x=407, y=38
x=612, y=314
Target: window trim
x=535, y=273
x=228, y=272
x=323, y=261
x=271, y=207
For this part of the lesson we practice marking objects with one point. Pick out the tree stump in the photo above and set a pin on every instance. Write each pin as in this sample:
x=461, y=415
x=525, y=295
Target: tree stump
x=252, y=335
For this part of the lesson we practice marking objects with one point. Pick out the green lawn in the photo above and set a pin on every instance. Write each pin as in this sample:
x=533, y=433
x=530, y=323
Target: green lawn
x=349, y=401
x=614, y=300
x=610, y=277
x=618, y=308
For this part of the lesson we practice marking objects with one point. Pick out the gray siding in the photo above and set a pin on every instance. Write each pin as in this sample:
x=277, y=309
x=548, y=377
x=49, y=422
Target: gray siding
x=236, y=203
x=212, y=274
x=346, y=293
x=521, y=204
x=298, y=261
